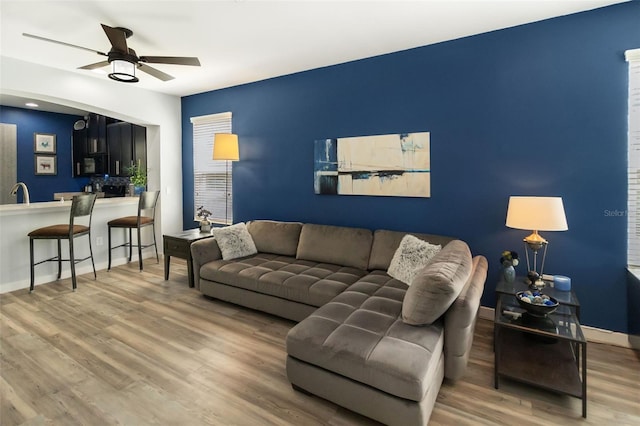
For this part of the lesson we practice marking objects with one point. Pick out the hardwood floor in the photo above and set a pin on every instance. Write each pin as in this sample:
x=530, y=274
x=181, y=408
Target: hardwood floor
x=133, y=349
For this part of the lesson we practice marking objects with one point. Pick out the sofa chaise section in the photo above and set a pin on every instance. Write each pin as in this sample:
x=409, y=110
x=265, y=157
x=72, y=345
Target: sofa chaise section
x=357, y=351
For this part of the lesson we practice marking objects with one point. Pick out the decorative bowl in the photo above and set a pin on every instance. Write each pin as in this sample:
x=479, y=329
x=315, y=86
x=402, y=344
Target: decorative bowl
x=536, y=303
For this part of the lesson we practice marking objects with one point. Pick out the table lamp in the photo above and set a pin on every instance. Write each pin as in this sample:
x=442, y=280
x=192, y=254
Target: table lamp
x=536, y=214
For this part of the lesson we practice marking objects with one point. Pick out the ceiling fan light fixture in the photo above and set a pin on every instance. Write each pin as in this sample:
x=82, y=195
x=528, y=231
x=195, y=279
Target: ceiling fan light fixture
x=123, y=71
x=124, y=60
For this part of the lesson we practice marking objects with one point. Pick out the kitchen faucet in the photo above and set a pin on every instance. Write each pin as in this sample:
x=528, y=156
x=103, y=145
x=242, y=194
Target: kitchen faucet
x=25, y=192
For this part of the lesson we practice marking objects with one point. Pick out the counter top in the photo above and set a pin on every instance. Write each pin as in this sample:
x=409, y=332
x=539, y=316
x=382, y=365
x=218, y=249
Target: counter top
x=69, y=195
x=18, y=209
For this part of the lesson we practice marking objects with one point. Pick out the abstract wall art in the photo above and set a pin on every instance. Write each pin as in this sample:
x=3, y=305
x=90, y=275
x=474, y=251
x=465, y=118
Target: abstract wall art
x=397, y=165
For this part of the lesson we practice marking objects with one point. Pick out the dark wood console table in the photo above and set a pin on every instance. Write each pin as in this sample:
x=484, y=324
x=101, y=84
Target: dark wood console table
x=179, y=245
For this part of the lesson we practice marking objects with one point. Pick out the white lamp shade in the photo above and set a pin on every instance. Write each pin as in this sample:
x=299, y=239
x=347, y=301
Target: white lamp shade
x=124, y=67
x=536, y=214
x=225, y=147
x=124, y=71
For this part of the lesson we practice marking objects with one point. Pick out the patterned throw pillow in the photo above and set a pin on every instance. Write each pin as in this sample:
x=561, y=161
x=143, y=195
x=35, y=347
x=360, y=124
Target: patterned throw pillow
x=412, y=255
x=234, y=241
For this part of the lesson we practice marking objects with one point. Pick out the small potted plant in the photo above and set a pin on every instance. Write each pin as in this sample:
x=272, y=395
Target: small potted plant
x=509, y=260
x=203, y=214
x=137, y=178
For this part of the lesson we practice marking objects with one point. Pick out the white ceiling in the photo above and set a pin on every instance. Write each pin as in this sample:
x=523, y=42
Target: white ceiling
x=245, y=41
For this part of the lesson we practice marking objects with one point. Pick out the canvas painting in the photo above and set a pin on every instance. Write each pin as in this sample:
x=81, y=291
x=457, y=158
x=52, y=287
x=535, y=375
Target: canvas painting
x=397, y=165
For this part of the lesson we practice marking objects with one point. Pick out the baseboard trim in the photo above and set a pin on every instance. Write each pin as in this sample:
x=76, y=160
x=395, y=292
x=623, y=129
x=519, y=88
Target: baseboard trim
x=592, y=334
x=84, y=268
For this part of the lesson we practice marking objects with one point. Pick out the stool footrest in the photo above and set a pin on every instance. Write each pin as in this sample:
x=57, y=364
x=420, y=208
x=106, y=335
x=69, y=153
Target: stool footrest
x=55, y=259
x=133, y=245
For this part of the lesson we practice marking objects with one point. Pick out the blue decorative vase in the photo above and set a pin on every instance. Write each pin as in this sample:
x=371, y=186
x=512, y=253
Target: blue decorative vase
x=138, y=190
x=509, y=273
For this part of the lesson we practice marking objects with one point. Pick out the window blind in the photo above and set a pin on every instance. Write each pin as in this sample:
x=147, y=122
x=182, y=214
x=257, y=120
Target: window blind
x=212, y=179
x=633, y=196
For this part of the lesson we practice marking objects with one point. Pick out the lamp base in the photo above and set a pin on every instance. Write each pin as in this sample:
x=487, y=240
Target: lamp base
x=537, y=285
x=534, y=280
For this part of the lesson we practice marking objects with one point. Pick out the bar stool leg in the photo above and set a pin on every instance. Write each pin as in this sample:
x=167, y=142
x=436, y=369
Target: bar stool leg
x=109, y=242
x=153, y=229
x=59, y=258
x=95, y=276
x=130, y=245
x=139, y=250
x=72, y=260
x=31, y=287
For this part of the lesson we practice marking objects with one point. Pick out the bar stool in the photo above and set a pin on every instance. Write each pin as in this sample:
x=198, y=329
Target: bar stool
x=81, y=206
x=147, y=205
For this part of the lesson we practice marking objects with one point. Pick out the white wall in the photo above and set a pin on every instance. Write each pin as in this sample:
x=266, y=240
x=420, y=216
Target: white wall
x=159, y=112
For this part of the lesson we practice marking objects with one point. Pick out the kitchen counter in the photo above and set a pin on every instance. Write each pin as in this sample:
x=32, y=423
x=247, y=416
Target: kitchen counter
x=49, y=206
x=17, y=220
x=57, y=196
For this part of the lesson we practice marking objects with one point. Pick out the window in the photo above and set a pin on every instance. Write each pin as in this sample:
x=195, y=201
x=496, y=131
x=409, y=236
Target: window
x=212, y=179
x=633, y=197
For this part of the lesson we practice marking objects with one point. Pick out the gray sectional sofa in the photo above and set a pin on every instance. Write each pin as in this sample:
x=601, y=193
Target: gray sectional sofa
x=364, y=339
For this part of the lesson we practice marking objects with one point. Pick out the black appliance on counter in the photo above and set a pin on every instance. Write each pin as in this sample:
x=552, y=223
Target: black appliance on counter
x=111, y=191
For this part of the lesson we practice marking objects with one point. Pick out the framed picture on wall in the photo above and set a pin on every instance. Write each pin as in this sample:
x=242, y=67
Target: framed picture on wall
x=44, y=143
x=394, y=165
x=45, y=165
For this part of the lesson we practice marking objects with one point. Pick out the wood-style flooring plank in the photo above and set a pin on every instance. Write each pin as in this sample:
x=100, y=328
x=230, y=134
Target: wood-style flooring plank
x=130, y=348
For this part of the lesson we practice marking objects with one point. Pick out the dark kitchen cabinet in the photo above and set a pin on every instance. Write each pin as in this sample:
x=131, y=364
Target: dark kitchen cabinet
x=127, y=145
x=90, y=156
x=97, y=134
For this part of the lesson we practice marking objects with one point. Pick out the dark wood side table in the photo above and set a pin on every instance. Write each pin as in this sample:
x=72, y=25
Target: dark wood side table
x=548, y=352
x=179, y=245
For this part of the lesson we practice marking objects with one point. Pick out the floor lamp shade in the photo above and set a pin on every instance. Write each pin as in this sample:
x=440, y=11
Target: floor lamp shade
x=225, y=147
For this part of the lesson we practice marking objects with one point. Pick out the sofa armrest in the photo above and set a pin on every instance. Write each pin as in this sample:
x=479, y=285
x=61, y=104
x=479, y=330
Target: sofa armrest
x=202, y=252
x=460, y=321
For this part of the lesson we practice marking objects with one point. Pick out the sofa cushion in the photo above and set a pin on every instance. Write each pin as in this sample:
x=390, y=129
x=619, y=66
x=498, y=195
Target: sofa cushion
x=385, y=244
x=335, y=244
x=437, y=285
x=412, y=255
x=303, y=281
x=360, y=335
x=275, y=237
x=460, y=320
x=234, y=241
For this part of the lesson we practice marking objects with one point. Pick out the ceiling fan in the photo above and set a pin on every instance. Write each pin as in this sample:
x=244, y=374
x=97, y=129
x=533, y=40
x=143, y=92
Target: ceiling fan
x=123, y=59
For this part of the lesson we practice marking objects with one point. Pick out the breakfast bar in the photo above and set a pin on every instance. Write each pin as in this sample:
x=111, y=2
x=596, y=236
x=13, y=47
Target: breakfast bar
x=17, y=220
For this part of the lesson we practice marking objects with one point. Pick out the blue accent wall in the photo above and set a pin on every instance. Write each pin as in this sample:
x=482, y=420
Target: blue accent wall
x=539, y=109
x=42, y=188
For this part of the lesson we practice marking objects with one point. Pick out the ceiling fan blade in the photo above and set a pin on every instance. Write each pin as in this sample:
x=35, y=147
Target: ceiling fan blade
x=117, y=37
x=155, y=72
x=94, y=66
x=176, y=60
x=63, y=43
